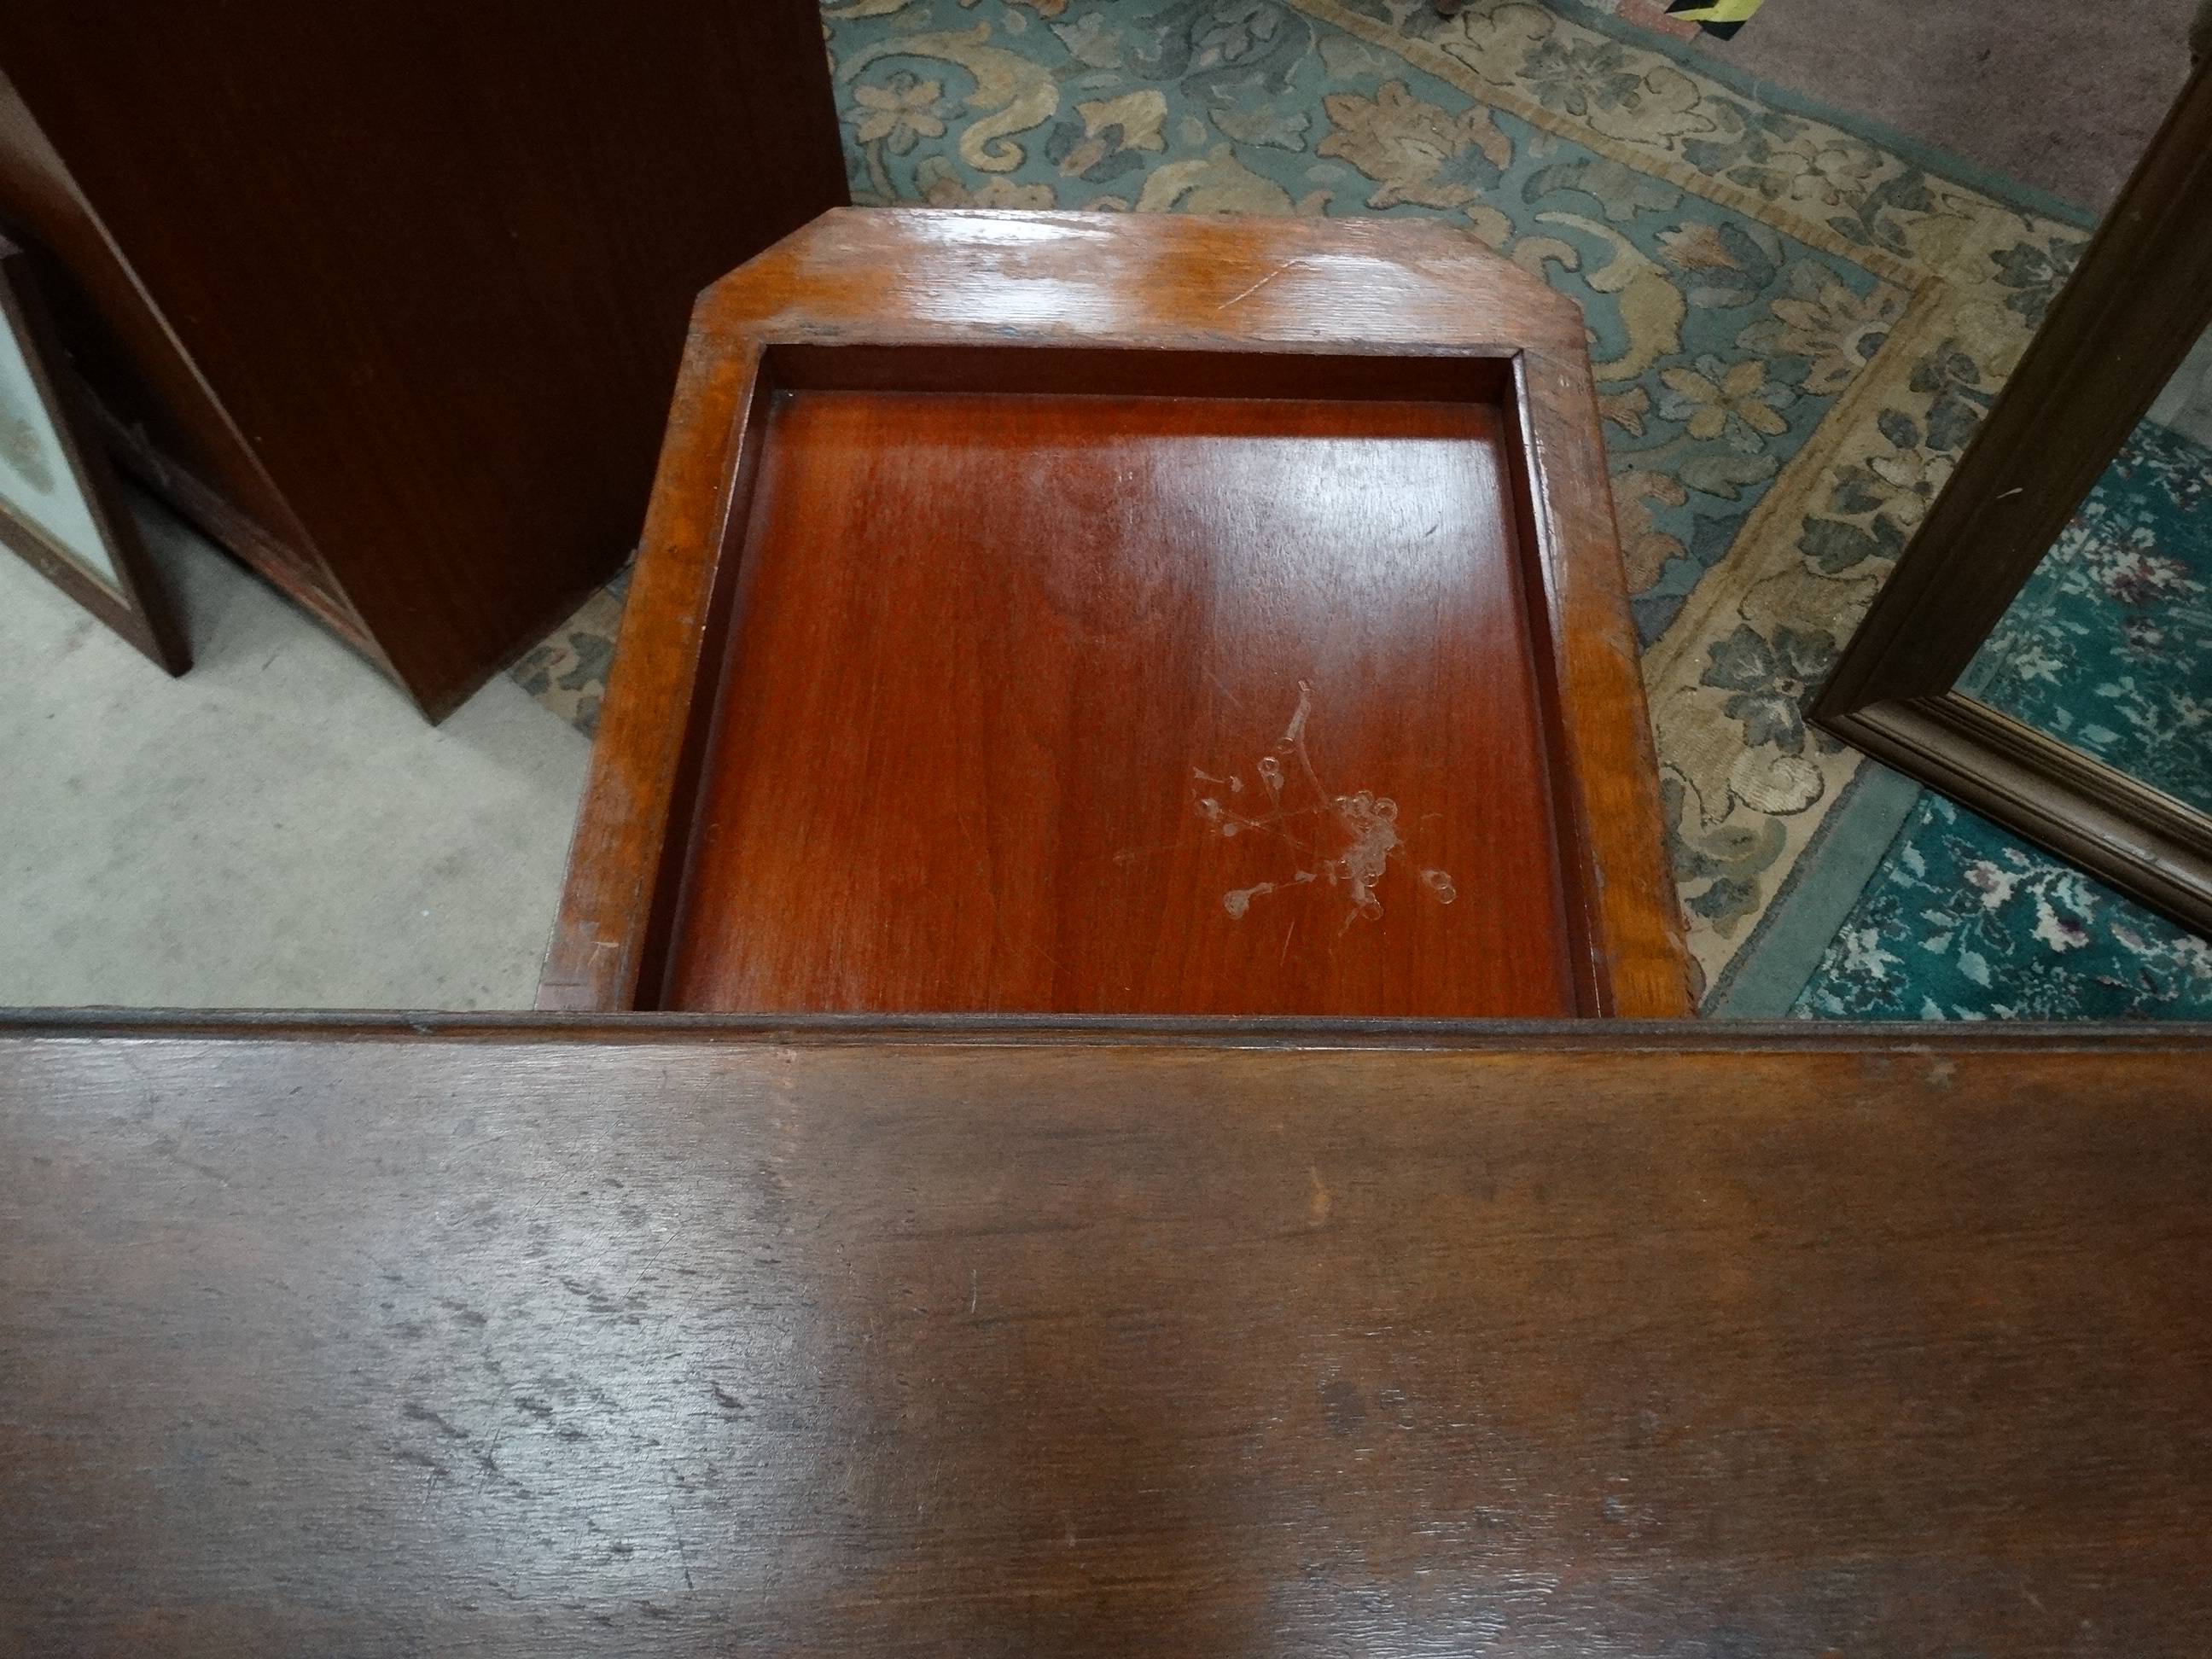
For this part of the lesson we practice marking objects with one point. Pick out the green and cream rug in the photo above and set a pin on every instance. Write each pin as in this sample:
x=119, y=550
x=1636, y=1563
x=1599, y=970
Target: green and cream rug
x=2109, y=649
x=1798, y=324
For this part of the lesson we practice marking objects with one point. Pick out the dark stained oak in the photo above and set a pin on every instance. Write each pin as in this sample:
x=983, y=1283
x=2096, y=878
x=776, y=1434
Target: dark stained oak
x=121, y=344
x=948, y=1337
x=1089, y=613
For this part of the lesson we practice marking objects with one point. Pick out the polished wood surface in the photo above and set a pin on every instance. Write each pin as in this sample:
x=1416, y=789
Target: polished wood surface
x=2136, y=305
x=1578, y=1339
x=1167, y=705
x=1103, y=639
x=422, y=268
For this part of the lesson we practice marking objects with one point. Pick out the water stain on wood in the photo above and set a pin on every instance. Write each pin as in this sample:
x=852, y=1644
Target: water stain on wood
x=1366, y=823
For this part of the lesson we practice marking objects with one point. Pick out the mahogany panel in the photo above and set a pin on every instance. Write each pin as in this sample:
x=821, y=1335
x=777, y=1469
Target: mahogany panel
x=1110, y=704
x=1085, y=306
x=1578, y=1339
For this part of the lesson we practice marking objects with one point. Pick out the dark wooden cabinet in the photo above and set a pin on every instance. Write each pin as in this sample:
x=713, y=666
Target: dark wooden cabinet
x=390, y=299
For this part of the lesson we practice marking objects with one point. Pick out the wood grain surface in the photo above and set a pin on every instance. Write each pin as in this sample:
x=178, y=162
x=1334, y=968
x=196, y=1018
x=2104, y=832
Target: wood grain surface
x=1584, y=1340
x=1114, y=704
x=1357, y=312
x=126, y=350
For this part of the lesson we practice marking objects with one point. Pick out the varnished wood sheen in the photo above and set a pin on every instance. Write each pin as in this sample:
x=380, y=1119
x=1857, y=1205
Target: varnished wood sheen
x=139, y=373
x=1035, y=608
x=997, y=653
x=512, y=1337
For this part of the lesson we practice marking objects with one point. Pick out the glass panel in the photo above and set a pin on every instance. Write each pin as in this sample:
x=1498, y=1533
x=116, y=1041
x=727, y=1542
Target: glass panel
x=2109, y=646
x=37, y=485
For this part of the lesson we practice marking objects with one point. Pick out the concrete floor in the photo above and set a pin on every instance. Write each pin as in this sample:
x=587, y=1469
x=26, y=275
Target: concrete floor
x=277, y=829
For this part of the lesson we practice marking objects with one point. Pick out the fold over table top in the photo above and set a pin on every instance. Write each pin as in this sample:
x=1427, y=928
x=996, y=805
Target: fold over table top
x=961, y=1337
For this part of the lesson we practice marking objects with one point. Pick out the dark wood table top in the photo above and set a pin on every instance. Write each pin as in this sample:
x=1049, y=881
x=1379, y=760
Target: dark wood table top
x=670, y=1335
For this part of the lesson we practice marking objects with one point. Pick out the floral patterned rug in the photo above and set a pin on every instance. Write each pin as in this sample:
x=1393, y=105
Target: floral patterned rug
x=2108, y=648
x=1964, y=922
x=1797, y=323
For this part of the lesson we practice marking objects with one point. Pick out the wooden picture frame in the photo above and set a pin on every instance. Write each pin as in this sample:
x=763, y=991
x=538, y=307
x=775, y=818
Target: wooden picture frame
x=1049, y=306
x=2136, y=306
x=61, y=507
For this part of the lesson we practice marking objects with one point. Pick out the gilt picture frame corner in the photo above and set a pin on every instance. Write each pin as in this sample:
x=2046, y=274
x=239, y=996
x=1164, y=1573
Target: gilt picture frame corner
x=62, y=509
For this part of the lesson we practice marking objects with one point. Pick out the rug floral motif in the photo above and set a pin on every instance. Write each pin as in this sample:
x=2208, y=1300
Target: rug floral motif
x=1795, y=329
x=1962, y=921
x=2109, y=646
x=567, y=672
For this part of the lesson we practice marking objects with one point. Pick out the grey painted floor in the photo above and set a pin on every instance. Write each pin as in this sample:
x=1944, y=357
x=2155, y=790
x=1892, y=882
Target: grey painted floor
x=277, y=829
x=2064, y=97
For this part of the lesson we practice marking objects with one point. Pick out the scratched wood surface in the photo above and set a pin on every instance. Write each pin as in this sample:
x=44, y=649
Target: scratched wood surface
x=1162, y=705
x=911, y=292
x=1565, y=1339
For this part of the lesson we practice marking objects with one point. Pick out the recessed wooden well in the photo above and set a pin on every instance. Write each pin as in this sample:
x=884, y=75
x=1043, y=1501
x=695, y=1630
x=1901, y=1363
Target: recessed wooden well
x=1171, y=674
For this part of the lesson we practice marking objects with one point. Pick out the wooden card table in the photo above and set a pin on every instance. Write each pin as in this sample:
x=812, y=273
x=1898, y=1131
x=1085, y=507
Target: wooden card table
x=1099, y=614
x=708, y=1335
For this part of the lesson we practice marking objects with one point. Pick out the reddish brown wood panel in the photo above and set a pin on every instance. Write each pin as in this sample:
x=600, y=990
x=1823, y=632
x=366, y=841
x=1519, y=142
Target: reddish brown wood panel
x=1101, y=705
x=1598, y=1342
x=1100, y=305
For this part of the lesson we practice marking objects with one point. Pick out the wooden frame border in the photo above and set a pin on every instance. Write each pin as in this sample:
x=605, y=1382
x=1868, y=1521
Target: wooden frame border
x=137, y=607
x=926, y=277
x=2136, y=304
x=1243, y=1034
